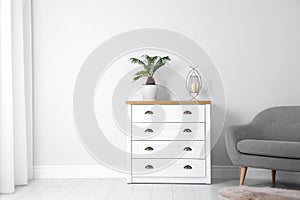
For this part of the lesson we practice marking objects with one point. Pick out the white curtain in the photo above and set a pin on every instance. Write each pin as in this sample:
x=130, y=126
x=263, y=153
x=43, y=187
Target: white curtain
x=15, y=94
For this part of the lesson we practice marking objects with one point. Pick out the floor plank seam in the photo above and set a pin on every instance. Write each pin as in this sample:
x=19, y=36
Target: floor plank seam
x=194, y=196
x=172, y=190
x=71, y=190
x=88, y=193
x=112, y=189
x=151, y=192
x=132, y=189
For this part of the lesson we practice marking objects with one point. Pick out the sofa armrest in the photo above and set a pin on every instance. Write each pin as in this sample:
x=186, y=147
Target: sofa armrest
x=234, y=134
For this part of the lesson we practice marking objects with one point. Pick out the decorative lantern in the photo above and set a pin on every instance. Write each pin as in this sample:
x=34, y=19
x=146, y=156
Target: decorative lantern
x=193, y=82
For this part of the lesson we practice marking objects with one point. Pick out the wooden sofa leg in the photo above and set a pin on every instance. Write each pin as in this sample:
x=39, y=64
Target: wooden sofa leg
x=273, y=175
x=243, y=174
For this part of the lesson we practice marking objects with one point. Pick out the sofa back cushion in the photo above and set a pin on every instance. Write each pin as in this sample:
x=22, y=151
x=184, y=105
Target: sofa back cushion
x=279, y=123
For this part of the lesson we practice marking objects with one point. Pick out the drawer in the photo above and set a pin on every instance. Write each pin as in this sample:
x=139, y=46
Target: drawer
x=168, y=168
x=168, y=131
x=168, y=149
x=168, y=113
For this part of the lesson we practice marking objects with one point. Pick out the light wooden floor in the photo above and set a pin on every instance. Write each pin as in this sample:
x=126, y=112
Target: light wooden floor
x=115, y=189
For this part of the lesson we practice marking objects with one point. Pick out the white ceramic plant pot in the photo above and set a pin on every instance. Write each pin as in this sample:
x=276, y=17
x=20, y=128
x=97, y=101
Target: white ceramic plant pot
x=149, y=92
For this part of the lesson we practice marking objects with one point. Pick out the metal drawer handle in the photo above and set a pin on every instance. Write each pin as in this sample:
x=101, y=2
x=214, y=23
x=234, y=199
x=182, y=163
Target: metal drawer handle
x=149, y=167
x=187, y=149
x=187, y=167
x=149, y=149
x=148, y=112
x=148, y=130
x=187, y=112
x=187, y=130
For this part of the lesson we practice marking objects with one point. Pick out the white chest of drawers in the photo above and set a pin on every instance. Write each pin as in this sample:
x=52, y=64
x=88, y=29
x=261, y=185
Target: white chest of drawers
x=170, y=142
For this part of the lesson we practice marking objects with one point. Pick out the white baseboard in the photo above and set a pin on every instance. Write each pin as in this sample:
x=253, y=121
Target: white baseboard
x=100, y=171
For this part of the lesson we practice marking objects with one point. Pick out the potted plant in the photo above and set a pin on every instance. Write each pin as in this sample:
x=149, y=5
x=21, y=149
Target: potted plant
x=150, y=66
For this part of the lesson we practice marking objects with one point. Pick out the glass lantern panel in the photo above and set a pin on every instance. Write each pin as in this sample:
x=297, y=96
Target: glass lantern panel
x=193, y=84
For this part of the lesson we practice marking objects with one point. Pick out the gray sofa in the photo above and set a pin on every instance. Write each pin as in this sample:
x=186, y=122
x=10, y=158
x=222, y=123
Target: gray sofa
x=270, y=141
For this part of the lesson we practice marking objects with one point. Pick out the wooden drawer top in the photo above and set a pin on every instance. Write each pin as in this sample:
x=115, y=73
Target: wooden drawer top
x=166, y=102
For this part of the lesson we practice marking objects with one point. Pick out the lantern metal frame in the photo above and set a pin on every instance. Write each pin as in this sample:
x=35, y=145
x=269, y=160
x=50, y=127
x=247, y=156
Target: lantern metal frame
x=193, y=70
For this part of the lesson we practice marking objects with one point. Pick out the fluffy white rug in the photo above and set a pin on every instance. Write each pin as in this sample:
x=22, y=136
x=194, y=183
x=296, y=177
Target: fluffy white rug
x=258, y=193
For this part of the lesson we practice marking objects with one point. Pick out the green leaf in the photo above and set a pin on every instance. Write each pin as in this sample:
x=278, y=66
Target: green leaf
x=166, y=58
x=150, y=59
x=137, y=77
x=150, y=67
x=137, y=61
x=142, y=73
x=148, y=64
x=147, y=57
x=154, y=58
x=161, y=62
x=140, y=62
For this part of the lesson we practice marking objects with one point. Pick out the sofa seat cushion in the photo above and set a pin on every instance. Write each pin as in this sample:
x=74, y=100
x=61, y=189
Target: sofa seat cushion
x=272, y=148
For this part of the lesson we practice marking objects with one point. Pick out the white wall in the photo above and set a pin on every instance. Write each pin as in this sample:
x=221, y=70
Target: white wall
x=254, y=44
